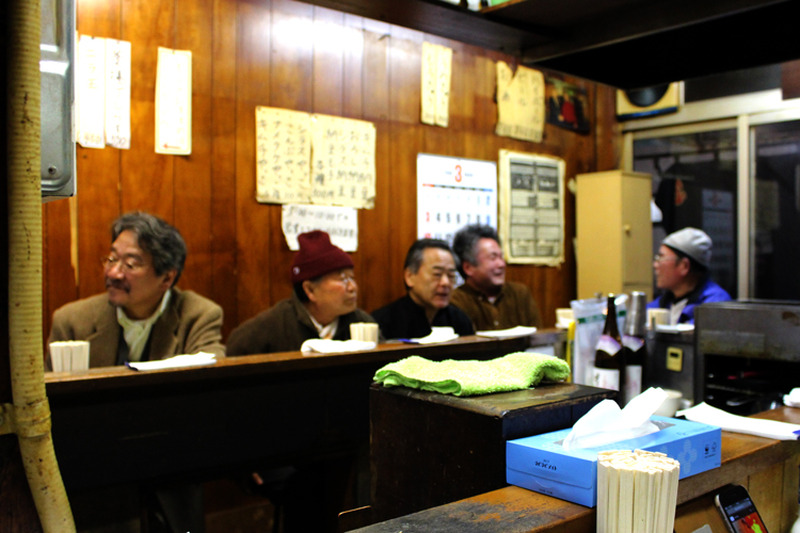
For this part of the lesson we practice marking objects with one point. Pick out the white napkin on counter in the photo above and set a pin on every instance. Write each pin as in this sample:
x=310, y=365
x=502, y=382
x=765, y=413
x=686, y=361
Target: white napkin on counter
x=793, y=398
x=771, y=429
x=332, y=346
x=177, y=361
x=437, y=334
x=510, y=332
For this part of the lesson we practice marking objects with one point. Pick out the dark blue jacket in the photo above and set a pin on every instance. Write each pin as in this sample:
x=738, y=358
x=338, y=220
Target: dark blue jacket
x=707, y=291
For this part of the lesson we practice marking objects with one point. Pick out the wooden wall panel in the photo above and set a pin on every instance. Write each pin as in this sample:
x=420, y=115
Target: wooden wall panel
x=287, y=54
x=223, y=161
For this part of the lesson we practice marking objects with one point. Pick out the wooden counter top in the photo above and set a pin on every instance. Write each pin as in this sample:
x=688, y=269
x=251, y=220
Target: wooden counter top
x=250, y=366
x=517, y=510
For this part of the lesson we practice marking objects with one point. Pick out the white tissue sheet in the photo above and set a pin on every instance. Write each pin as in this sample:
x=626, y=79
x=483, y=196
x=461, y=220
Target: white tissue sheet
x=772, y=429
x=606, y=422
x=332, y=346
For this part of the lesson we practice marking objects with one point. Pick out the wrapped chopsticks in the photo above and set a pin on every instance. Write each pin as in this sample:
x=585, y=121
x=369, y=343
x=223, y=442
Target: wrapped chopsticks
x=636, y=491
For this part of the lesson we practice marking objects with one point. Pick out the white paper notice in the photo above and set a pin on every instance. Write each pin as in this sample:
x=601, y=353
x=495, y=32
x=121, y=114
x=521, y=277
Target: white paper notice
x=341, y=223
x=90, y=87
x=435, y=78
x=174, y=102
x=118, y=94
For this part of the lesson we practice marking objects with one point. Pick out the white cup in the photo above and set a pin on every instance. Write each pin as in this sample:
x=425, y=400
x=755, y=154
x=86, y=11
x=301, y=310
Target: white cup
x=657, y=317
x=67, y=356
x=364, y=331
x=671, y=404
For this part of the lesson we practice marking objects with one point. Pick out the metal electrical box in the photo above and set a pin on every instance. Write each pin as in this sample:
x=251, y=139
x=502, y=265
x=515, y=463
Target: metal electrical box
x=57, y=68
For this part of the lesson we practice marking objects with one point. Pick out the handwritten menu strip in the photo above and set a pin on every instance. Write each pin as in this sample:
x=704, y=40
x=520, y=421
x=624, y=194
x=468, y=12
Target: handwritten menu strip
x=174, y=102
x=90, y=74
x=435, y=84
x=118, y=93
x=343, y=168
x=520, y=103
x=283, y=155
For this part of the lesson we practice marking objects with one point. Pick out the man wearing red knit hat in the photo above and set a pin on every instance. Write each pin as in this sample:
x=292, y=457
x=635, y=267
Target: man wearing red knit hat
x=323, y=304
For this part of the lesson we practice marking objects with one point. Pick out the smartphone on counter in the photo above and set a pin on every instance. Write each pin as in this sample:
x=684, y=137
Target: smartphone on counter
x=739, y=511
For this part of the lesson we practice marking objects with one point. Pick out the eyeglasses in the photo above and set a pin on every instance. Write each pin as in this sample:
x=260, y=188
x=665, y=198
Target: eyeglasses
x=660, y=258
x=127, y=265
x=346, y=278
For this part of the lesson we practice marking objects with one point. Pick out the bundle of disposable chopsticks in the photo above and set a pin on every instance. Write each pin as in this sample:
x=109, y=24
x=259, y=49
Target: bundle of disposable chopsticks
x=636, y=491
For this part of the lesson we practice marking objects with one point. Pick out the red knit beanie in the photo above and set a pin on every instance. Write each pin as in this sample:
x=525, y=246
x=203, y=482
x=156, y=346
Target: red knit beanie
x=317, y=256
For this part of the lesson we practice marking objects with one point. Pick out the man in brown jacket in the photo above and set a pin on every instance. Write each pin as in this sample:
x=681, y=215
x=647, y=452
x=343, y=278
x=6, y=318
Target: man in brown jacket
x=486, y=297
x=142, y=315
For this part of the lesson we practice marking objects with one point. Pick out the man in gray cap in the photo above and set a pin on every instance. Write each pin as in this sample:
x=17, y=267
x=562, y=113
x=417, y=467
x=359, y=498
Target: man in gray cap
x=681, y=269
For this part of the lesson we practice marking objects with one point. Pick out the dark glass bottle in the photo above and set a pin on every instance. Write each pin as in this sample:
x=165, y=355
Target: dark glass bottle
x=609, y=367
x=634, y=346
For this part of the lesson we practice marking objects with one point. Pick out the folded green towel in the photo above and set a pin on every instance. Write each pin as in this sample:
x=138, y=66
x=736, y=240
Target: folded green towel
x=514, y=371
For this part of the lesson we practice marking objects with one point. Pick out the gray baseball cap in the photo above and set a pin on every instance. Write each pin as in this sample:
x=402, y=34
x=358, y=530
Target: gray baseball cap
x=693, y=242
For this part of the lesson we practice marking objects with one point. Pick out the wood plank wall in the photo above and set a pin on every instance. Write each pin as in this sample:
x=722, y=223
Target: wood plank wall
x=298, y=56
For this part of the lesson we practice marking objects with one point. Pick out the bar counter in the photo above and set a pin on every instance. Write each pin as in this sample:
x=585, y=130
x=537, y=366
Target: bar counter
x=115, y=425
x=767, y=467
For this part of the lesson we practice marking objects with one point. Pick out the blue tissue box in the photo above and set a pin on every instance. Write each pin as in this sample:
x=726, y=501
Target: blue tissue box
x=539, y=463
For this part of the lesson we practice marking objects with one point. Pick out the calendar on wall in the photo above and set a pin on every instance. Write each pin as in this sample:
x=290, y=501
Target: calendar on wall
x=453, y=192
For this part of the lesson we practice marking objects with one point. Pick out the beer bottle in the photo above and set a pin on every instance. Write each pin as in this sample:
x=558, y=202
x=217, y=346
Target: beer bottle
x=634, y=346
x=609, y=367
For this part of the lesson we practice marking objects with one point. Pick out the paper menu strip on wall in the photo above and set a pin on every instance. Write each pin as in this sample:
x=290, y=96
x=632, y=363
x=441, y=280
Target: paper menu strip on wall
x=118, y=93
x=174, y=102
x=520, y=103
x=90, y=85
x=435, y=84
x=283, y=156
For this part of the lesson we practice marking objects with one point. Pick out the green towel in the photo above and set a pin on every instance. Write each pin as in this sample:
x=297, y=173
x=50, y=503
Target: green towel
x=514, y=371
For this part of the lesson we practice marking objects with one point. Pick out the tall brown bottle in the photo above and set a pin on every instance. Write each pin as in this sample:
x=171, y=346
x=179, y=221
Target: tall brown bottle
x=609, y=364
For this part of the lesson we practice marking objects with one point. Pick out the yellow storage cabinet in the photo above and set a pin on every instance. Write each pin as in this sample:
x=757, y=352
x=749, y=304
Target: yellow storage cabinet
x=614, y=245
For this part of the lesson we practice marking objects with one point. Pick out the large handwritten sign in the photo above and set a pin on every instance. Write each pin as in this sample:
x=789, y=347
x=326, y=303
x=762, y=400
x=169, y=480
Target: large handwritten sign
x=314, y=159
x=520, y=103
x=344, y=162
x=283, y=155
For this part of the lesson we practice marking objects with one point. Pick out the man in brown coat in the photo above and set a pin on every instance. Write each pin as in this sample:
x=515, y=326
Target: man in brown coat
x=142, y=315
x=489, y=300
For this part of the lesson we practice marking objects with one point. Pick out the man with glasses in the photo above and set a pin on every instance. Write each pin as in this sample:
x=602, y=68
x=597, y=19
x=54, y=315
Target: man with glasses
x=142, y=315
x=429, y=274
x=681, y=271
x=323, y=304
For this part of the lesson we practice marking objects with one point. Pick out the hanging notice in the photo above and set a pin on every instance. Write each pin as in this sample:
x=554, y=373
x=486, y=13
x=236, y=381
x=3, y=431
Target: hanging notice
x=343, y=168
x=341, y=223
x=118, y=93
x=283, y=156
x=532, y=208
x=453, y=192
x=435, y=80
x=174, y=102
x=319, y=159
x=520, y=103
x=90, y=82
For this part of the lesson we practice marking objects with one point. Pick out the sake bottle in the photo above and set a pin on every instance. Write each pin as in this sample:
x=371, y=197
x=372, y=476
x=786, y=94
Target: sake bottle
x=634, y=347
x=609, y=367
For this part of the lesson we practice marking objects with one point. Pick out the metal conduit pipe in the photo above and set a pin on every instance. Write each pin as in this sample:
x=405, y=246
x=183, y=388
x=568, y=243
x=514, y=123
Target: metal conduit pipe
x=29, y=415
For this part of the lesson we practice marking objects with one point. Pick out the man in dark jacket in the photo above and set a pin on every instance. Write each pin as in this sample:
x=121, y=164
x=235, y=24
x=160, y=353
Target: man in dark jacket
x=323, y=304
x=429, y=274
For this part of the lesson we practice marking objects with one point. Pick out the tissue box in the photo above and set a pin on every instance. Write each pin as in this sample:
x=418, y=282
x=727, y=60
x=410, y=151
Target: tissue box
x=539, y=463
